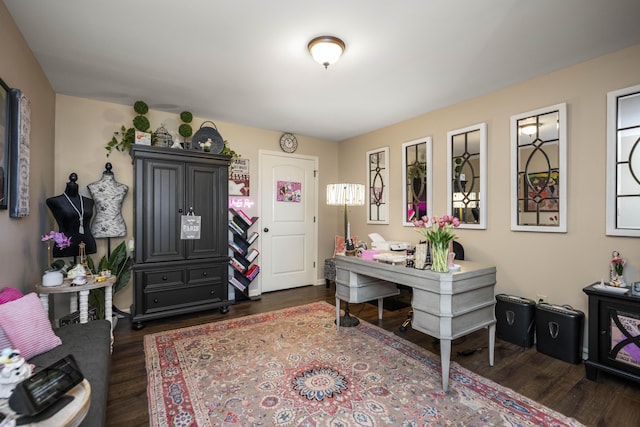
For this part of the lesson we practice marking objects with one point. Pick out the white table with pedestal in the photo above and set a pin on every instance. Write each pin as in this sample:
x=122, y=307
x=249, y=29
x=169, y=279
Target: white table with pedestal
x=445, y=305
x=83, y=291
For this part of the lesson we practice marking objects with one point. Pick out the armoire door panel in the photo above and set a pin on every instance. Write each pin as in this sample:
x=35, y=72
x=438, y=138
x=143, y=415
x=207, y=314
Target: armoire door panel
x=162, y=211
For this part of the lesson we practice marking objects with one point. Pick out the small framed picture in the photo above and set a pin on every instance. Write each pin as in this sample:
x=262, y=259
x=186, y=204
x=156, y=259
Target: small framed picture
x=635, y=289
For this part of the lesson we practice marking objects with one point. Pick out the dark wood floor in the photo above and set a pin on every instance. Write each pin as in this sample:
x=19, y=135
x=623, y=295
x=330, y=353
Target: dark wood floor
x=609, y=401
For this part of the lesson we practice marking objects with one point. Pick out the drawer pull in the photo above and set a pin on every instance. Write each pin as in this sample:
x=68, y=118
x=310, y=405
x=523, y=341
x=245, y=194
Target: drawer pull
x=212, y=292
x=204, y=274
x=155, y=300
x=164, y=277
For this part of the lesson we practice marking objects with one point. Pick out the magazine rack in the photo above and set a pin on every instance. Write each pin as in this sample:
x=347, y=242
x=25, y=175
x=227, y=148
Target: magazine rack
x=242, y=261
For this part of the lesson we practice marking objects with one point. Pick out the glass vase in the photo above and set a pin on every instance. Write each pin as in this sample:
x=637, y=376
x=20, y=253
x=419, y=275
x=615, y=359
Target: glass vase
x=440, y=257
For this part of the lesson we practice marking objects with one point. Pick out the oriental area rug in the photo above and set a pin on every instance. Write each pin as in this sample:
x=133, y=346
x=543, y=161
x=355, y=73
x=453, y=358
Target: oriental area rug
x=291, y=368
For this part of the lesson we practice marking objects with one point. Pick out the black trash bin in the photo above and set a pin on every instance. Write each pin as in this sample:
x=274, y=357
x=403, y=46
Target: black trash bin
x=559, y=330
x=515, y=318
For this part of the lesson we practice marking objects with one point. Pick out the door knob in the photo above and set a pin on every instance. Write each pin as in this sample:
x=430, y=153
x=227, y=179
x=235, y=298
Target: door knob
x=266, y=230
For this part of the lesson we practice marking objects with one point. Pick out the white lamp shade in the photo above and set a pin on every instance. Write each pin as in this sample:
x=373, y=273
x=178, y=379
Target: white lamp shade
x=326, y=50
x=345, y=194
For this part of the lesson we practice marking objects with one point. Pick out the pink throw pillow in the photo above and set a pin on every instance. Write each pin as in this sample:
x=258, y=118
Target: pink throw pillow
x=27, y=325
x=6, y=295
x=9, y=294
x=4, y=340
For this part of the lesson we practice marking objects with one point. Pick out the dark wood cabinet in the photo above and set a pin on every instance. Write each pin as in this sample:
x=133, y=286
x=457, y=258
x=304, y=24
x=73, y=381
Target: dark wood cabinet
x=614, y=334
x=173, y=275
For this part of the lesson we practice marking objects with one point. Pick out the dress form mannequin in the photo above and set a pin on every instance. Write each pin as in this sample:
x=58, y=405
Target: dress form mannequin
x=67, y=209
x=108, y=195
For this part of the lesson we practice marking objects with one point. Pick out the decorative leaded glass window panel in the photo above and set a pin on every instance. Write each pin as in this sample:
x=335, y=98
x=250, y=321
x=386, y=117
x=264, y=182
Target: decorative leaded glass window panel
x=467, y=167
x=623, y=162
x=416, y=180
x=539, y=173
x=378, y=181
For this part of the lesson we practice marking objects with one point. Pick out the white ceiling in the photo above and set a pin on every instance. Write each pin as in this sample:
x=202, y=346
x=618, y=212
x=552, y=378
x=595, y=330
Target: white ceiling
x=246, y=61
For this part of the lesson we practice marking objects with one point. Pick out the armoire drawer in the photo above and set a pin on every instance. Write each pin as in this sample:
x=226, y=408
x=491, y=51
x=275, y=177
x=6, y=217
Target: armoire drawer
x=164, y=278
x=183, y=297
x=210, y=273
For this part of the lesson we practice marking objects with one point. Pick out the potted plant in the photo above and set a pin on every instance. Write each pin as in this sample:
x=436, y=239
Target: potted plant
x=124, y=138
x=119, y=263
x=141, y=123
x=185, y=130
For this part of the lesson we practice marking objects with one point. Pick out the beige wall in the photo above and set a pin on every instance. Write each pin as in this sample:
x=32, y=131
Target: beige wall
x=84, y=126
x=528, y=264
x=557, y=265
x=22, y=255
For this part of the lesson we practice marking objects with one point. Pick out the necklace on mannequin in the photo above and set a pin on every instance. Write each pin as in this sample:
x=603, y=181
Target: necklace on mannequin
x=80, y=212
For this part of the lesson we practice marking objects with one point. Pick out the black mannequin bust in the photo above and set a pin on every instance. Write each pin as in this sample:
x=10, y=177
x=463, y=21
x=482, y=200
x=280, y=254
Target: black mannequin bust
x=73, y=214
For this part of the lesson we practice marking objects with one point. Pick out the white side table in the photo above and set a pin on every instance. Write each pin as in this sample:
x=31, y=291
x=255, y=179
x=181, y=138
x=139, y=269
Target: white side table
x=83, y=291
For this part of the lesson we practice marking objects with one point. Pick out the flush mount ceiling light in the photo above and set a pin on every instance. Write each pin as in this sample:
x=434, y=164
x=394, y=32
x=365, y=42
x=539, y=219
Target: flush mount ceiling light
x=326, y=50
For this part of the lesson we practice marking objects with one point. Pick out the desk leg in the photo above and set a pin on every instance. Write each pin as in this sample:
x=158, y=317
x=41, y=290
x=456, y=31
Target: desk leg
x=380, y=306
x=492, y=342
x=337, y=314
x=445, y=361
x=44, y=299
x=73, y=302
x=108, y=304
x=84, y=306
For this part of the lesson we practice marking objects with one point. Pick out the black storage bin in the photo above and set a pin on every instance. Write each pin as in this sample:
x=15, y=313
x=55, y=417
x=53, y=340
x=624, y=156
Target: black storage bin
x=559, y=332
x=515, y=318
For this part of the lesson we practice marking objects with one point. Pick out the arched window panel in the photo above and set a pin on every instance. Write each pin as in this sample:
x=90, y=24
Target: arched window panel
x=539, y=171
x=416, y=180
x=378, y=183
x=623, y=162
x=467, y=172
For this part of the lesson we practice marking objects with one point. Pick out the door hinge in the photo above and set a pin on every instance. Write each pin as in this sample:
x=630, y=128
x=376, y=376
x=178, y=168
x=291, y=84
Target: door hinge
x=314, y=264
x=315, y=173
x=314, y=219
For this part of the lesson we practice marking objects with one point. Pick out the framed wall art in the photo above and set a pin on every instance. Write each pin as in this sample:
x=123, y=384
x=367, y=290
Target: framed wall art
x=20, y=141
x=4, y=144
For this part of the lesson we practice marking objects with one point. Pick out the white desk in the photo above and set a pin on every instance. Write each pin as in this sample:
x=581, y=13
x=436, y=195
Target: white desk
x=83, y=290
x=445, y=305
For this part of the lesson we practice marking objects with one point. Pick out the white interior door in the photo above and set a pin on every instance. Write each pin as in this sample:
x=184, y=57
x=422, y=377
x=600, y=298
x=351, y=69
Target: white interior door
x=287, y=215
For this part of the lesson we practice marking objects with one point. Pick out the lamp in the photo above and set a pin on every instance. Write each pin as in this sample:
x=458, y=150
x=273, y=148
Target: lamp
x=529, y=128
x=346, y=195
x=326, y=50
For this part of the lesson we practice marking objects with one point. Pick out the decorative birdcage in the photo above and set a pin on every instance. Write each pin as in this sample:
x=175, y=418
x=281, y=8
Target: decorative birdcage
x=161, y=137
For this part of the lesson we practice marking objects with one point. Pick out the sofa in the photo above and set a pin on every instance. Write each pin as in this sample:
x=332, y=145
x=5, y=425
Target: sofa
x=89, y=343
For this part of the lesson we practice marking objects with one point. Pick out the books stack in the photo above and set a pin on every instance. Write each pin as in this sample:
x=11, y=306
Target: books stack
x=253, y=254
x=237, y=265
x=252, y=272
x=245, y=217
x=252, y=237
x=235, y=227
x=235, y=282
x=233, y=245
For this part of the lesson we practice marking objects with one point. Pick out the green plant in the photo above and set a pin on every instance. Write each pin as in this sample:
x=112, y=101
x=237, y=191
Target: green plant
x=226, y=150
x=124, y=138
x=185, y=129
x=119, y=263
x=140, y=122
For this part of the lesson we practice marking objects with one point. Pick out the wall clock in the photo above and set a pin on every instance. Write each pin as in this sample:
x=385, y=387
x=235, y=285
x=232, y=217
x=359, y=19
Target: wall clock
x=288, y=143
